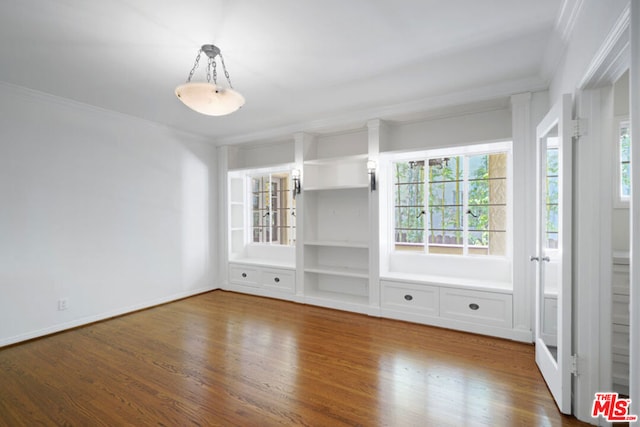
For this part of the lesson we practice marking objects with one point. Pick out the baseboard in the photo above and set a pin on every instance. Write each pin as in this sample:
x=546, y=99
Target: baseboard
x=102, y=316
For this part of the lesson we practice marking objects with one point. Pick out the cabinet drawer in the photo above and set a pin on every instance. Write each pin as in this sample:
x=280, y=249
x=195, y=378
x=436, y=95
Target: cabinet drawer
x=418, y=299
x=282, y=280
x=620, y=309
x=488, y=308
x=244, y=275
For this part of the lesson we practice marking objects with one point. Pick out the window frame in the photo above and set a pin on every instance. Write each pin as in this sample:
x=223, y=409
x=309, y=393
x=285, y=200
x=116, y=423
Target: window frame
x=465, y=151
x=619, y=201
x=290, y=207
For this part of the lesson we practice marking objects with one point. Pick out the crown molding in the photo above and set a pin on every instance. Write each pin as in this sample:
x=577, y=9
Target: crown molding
x=566, y=21
x=613, y=57
x=409, y=111
x=77, y=105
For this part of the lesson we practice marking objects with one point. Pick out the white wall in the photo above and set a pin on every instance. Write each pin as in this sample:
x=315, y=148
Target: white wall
x=112, y=212
x=451, y=131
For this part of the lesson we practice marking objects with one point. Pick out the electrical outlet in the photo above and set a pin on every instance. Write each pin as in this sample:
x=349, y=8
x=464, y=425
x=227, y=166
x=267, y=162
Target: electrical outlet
x=63, y=304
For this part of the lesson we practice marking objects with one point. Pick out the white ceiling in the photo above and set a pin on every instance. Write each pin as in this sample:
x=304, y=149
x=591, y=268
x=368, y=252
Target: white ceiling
x=297, y=62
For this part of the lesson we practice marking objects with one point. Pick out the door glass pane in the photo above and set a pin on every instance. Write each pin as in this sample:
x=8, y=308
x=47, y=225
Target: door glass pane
x=550, y=244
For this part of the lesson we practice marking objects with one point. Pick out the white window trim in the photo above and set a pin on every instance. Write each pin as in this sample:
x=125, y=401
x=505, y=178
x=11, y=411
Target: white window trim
x=247, y=174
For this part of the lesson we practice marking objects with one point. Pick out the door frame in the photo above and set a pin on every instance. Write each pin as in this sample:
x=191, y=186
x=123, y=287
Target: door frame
x=593, y=255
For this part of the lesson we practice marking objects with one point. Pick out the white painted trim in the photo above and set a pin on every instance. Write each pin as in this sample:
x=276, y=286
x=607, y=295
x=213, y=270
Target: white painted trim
x=475, y=328
x=223, y=214
x=378, y=133
x=103, y=316
x=522, y=201
x=612, y=59
x=593, y=254
x=567, y=18
x=634, y=262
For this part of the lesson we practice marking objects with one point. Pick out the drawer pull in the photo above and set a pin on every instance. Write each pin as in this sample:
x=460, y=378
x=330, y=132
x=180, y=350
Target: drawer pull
x=408, y=297
x=277, y=280
x=244, y=274
x=474, y=306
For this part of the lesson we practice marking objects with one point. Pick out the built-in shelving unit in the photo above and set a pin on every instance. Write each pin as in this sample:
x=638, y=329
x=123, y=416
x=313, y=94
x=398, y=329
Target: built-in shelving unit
x=339, y=256
x=336, y=225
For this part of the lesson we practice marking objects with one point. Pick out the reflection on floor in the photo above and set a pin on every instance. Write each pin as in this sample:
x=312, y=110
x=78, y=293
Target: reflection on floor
x=229, y=359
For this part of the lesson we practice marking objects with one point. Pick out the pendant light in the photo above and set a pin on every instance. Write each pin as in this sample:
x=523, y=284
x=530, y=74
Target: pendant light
x=207, y=97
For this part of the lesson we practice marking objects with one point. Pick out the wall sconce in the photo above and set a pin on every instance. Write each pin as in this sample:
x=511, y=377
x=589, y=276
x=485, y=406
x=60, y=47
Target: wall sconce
x=371, y=167
x=295, y=175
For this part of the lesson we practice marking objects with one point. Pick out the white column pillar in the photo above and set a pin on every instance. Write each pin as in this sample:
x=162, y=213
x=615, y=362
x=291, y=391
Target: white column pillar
x=302, y=144
x=523, y=219
x=377, y=135
x=223, y=214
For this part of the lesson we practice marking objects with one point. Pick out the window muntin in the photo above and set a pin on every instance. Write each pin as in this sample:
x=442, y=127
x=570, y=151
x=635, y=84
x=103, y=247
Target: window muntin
x=272, y=209
x=457, y=204
x=446, y=187
x=409, y=204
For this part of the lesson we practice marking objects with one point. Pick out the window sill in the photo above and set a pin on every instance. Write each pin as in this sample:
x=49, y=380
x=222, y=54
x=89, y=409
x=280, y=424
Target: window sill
x=262, y=262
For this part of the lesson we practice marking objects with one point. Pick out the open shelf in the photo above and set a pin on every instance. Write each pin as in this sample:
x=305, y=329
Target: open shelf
x=338, y=300
x=337, y=291
x=331, y=270
x=338, y=244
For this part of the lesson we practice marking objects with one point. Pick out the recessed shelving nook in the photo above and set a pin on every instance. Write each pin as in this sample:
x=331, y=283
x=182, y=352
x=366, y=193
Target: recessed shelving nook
x=336, y=222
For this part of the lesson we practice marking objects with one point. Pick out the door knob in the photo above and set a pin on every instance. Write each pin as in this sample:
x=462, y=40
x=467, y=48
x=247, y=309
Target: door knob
x=545, y=258
x=534, y=258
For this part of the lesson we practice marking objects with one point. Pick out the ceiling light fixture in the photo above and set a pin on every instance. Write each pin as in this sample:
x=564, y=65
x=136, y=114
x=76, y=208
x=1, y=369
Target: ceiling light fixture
x=206, y=97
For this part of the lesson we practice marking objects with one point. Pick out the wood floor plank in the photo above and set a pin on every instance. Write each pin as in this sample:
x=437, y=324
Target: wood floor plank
x=222, y=358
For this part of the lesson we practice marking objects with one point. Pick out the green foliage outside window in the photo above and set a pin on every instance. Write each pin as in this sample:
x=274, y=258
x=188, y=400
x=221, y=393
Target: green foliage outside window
x=446, y=183
x=625, y=161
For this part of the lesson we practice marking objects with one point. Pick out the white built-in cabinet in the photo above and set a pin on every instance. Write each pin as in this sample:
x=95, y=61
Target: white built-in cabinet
x=341, y=257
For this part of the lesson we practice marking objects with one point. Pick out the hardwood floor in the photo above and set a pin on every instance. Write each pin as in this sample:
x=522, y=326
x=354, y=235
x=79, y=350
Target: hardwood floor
x=229, y=359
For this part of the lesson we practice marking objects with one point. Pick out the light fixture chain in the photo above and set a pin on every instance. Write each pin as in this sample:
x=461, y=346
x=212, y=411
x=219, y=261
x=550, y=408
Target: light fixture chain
x=215, y=71
x=224, y=68
x=209, y=71
x=193, y=70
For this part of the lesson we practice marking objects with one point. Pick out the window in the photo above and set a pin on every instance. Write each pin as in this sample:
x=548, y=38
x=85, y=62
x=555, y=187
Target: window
x=454, y=204
x=551, y=195
x=272, y=209
x=624, y=162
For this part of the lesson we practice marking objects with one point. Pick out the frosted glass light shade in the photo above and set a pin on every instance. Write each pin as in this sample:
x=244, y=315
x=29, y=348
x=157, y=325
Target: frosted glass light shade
x=209, y=99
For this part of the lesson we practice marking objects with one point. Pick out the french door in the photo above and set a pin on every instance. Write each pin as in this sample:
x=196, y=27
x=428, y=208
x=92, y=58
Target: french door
x=553, y=251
